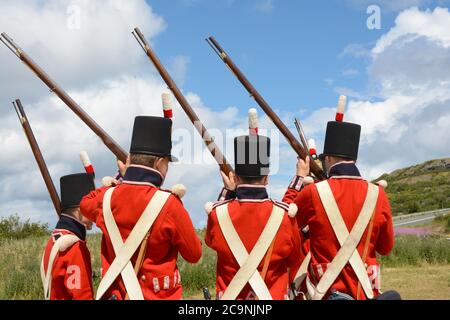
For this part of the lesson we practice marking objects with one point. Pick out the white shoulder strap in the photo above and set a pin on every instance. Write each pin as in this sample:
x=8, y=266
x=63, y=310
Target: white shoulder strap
x=65, y=240
x=348, y=242
x=248, y=273
x=300, y=276
x=124, y=251
x=128, y=275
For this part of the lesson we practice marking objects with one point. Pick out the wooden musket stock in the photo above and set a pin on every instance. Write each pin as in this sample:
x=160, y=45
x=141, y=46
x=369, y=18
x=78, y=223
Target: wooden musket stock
x=54, y=87
x=265, y=106
x=209, y=141
x=38, y=155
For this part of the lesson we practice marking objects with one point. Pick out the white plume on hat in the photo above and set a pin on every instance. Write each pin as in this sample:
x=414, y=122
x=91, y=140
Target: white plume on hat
x=85, y=159
x=341, y=104
x=253, y=121
x=167, y=104
x=312, y=144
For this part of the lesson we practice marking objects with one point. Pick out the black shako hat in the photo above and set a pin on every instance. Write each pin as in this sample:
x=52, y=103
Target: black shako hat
x=152, y=136
x=342, y=140
x=73, y=188
x=252, y=156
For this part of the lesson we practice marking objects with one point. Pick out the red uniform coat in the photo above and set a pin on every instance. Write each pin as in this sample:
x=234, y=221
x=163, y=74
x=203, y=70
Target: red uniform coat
x=171, y=233
x=249, y=214
x=291, y=194
x=72, y=272
x=349, y=190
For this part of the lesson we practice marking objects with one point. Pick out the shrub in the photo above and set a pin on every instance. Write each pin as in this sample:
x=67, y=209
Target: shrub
x=12, y=228
x=417, y=250
x=413, y=207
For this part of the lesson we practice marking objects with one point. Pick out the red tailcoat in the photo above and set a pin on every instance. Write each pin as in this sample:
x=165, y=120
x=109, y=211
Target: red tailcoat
x=249, y=214
x=171, y=233
x=72, y=272
x=291, y=194
x=349, y=190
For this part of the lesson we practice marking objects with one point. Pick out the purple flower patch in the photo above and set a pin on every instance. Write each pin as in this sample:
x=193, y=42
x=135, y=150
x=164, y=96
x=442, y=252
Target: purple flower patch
x=415, y=231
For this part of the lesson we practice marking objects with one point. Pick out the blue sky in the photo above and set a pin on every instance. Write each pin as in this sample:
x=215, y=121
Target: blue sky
x=288, y=53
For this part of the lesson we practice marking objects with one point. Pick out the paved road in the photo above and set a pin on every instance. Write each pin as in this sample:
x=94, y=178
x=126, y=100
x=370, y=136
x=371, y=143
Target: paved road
x=419, y=218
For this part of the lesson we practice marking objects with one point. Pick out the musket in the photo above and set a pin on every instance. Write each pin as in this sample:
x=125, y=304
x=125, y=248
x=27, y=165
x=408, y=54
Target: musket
x=264, y=105
x=301, y=134
x=209, y=141
x=55, y=88
x=37, y=155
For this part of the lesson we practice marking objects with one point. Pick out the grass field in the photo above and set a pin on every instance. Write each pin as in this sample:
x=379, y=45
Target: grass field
x=419, y=268
x=424, y=282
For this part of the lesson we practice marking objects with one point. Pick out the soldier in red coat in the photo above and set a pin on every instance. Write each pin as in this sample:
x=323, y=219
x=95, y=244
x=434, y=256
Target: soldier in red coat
x=66, y=264
x=300, y=180
x=256, y=238
x=144, y=227
x=349, y=221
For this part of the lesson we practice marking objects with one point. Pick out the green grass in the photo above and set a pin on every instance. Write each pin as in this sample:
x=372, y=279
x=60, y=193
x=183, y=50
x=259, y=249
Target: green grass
x=412, y=250
x=19, y=268
x=195, y=277
x=444, y=221
x=20, y=261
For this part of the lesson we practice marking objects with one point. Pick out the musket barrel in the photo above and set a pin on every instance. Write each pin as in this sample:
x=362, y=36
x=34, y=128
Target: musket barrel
x=54, y=87
x=209, y=141
x=38, y=155
x=301, y=134
x=295, y=144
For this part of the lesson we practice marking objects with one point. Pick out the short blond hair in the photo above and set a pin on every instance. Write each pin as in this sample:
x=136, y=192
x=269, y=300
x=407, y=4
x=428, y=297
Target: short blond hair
x=143, y=159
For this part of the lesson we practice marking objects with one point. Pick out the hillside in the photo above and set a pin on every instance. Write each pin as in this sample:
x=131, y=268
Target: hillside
x=422, y=187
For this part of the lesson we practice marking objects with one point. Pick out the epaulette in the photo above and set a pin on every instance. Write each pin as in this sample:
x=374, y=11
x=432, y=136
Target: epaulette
x=67, y=242
x=109, y=181
x=308, y=180
x=177, y=190
x=290, y=208
x=210, y=206
x=382, y=183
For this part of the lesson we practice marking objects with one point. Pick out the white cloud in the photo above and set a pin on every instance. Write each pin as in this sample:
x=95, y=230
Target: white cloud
x=113, y=104
x=102, y=47
x=349, y=92
x=265, y=6
x=329, y=81
x=355, y=50
x=409, y=122
x=392, y=5
x=104, y=77
x=350, y=72
x=412, y=24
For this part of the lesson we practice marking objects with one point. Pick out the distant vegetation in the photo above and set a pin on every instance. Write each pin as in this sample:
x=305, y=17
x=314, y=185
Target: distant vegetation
x=13, y=228
x=412, y=250
x=419, y=188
